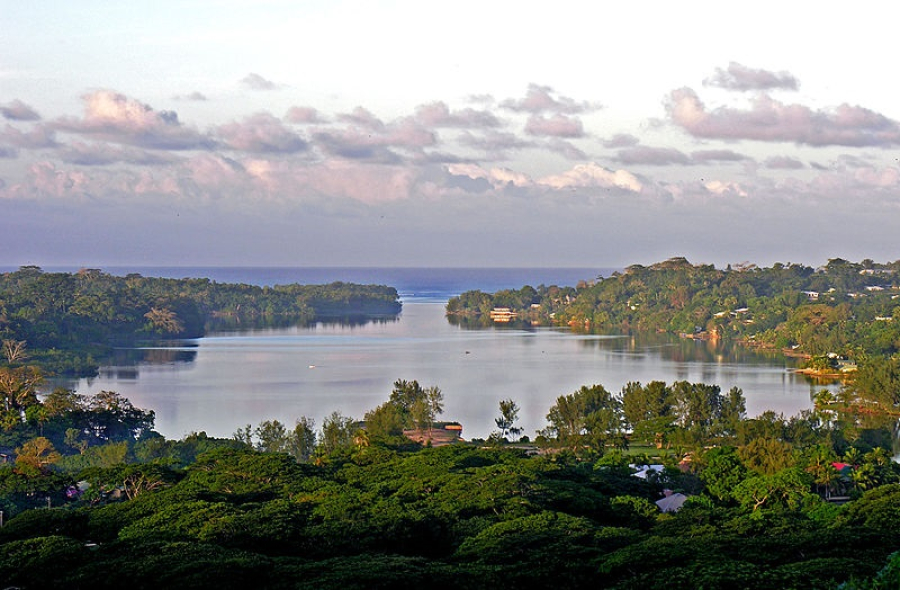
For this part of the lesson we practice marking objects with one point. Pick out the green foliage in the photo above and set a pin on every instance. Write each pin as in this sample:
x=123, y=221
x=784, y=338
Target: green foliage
x=509, y=413
x=588, y=419
x=69, y=320
x=722, y=472
x=839, y=308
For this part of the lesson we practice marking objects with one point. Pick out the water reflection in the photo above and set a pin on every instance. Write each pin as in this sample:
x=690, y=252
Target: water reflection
x=254, y=373
x=231, y=325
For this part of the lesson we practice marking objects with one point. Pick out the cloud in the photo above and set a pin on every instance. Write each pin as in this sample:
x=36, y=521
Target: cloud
x=101, y=154
x=783, y=163
x=362, y=118
x=261, y=133
x=39, y=137
x=540, y=99
x=19, y=111
x=653, y=156
x=593, y=175
x=738, y=77
x=256, y=82
x=438, y=114
x=719, y=187
x=115, y=117
x=621, y=140
x=8, y=152
x=44, y=179
x=373, y=140
x=497, y=177
x=566, y=149
x=303, y=115
x=360, y=182
x=194, y=96
x=494, y=143
x=558, y=125
x=717, y=156
x=771, y=120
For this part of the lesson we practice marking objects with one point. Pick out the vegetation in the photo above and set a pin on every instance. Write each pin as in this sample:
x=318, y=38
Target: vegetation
x=95, y=498
x=844, y=308
x=92, y=497
x=65, y=322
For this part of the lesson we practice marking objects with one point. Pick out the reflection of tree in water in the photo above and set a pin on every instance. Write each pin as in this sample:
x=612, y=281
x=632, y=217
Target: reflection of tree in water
x=482, y=322
x=235, y=325
x=678, y=349
x=158, y=355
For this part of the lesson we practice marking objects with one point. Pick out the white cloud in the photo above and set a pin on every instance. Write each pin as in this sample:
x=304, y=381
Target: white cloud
x=593, y=175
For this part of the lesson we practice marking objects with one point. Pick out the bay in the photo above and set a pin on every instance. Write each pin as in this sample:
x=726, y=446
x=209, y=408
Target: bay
x=228, y=380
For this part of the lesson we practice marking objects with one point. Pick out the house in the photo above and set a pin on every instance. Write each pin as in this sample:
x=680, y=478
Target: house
x=671, y=501
x=646, y=471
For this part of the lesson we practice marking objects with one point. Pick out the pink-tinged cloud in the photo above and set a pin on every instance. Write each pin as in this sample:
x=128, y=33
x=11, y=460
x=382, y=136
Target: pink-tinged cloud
x=19, y=111
x=652, y=156
x=621, y=140
x=375, y=142
x=361, y=182
x=495, y=143
x=719, y=187
x=541, y=99
x=102, y=154
x=438, y=114
x=497, y=177
x=556, y=126
x=115, y=117
x=783, y=163
x=256, y=82
x=771, y=120
x=38, y=137
x=565, y=149
x=362, y=117
x=717, y=156
x=43, y=179
x=303, y=115
x=593, y=175
x=739, y=77
x=261, y=133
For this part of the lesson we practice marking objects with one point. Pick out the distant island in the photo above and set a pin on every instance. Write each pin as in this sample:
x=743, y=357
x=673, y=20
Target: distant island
x=66, y=322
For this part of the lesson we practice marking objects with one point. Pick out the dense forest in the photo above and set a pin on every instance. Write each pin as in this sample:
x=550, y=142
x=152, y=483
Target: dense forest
x=93, y=498
x=843, y=308
x=656, y=486
x=67, y=322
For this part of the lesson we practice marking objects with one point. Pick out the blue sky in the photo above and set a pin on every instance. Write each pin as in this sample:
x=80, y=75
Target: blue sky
x=446, y=134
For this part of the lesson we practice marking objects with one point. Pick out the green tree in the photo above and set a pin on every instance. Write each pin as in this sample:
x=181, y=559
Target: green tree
x=272, y=437
x=337, y=432
x=590, y=418
x=302, y=439
x=509, y=413
x=722, y=472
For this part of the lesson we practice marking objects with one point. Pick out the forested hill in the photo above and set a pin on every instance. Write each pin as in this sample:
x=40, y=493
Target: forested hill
x=66, y=319
x=842, y=307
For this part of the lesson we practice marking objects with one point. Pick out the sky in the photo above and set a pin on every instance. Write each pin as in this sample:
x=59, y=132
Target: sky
x=446, y=134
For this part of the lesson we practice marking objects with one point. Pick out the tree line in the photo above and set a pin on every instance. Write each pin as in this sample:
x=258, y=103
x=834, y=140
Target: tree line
x=66, y=322
x=846, y=308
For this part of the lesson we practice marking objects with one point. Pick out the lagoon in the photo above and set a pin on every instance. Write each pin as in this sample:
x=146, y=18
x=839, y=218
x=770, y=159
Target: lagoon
x=225, y=381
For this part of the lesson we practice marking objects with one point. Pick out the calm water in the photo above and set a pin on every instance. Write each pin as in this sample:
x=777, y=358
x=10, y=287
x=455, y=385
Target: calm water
x=226, y=381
